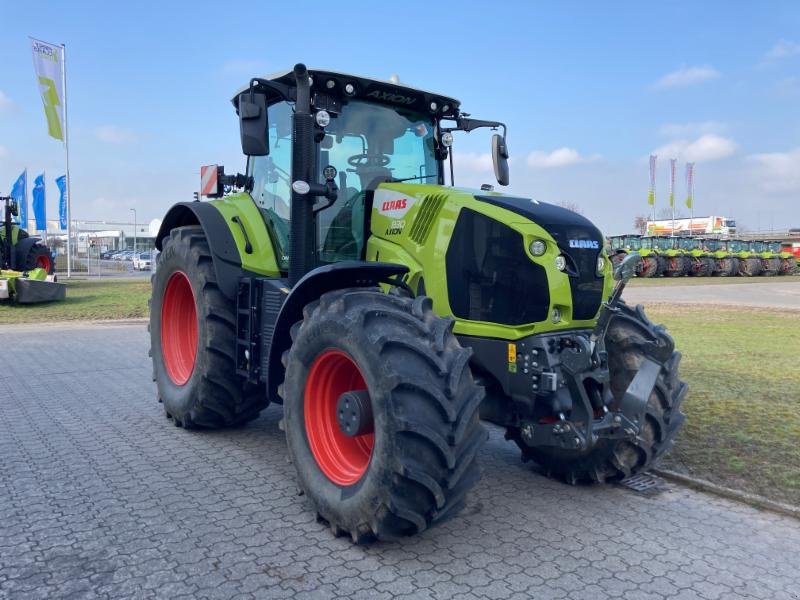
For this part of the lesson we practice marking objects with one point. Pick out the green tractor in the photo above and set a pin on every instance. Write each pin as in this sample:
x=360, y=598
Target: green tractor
x=18, y=250
x=622, y=245
x=673, y=262
x=785, y=262
x=26, y=265
x=725, y=264
x=389, y=313
x=701, y=261
x=770, y=260
x=749, y=263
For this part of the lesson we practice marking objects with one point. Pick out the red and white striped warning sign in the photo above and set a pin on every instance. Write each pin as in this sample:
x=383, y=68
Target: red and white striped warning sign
x=208, y=180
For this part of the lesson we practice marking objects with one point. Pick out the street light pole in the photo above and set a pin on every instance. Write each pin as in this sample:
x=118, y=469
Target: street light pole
x=133, y=210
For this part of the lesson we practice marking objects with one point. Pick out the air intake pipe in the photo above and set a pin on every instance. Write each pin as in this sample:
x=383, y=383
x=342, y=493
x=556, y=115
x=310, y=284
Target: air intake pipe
x=302, y=251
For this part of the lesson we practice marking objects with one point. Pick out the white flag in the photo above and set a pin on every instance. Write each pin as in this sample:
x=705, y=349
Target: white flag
x=48, y=62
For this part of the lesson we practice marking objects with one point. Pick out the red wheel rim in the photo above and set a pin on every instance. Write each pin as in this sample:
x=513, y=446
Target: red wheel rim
x=343, y=459
x=179, y=328
x=43, y=262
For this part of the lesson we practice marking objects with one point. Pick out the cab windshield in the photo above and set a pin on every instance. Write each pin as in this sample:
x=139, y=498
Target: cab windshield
x=634, y=243
x=369, y=144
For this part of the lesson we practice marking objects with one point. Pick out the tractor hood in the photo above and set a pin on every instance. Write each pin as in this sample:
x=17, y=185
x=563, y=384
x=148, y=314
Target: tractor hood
x=570, y=230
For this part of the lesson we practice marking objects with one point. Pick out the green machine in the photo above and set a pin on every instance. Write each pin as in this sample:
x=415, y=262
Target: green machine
x=770, y=259
x=701, y=261
x=621, y=245
x=749, y=263
x=788, y=264
x=725, y=264
x=673, y=261
x=389, y=312
x=26, y=265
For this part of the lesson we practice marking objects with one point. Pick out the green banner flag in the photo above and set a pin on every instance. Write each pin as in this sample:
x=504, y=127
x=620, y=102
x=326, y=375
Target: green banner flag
x=48, y=63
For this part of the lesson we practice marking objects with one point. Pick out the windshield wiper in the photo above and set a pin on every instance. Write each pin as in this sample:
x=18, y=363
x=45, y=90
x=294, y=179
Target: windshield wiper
x=393, y=180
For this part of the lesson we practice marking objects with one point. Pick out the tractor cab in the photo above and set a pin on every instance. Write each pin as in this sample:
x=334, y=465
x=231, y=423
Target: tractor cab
x=633, y=242
x=666, y=243
x=738, y=246
x=361, y=133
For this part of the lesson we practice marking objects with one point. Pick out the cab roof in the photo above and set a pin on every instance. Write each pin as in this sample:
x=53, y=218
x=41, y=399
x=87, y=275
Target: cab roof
x=334, y=84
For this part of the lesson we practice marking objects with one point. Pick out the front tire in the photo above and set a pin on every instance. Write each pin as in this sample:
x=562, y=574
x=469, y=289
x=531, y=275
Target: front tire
x=192, y=339
x=414, y=462
x=631, y=336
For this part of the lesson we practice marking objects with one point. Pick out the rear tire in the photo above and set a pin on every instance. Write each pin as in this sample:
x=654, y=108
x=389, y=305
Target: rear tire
x=749, y=267
x=788, y=266
x=192, y=339
x=649, y=266
x=631, y=336
x=39, y=257
x=771, y=266
x=417, y=466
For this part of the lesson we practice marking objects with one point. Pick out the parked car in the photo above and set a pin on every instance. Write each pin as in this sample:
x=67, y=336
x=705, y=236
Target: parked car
x=142, y=261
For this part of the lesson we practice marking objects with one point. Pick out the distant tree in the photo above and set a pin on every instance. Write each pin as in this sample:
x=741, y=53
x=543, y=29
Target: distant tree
x=573, y=206
x=640, y=223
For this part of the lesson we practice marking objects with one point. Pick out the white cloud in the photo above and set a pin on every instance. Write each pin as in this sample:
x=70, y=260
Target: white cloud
x=783, y=49
x=112, y=134
x=6, y=103
x=684, y=130
x=778, y=171
x=686, y=76
x=560, y=157
x=706, y=148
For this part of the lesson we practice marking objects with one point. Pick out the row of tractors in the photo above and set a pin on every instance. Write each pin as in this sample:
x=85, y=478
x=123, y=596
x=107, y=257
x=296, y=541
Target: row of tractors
x=703, y=257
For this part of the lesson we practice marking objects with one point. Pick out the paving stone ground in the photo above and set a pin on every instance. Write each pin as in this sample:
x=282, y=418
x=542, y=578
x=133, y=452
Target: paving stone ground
x=101, y=496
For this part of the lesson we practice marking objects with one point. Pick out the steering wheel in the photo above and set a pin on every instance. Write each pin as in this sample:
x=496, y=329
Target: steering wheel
x=368, y=160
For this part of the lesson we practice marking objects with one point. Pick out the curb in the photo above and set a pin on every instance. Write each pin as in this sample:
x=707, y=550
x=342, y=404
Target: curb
x=731, y=494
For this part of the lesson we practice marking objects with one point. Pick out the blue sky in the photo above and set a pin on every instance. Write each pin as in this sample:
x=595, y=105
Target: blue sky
x=588, y=91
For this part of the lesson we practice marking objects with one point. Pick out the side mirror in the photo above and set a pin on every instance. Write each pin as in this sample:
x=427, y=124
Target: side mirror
x=628, y=267
x=500, y=159
x=253, y=124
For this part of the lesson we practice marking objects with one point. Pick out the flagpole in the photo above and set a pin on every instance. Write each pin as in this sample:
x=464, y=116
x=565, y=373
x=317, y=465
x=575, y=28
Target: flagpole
x=66, y=157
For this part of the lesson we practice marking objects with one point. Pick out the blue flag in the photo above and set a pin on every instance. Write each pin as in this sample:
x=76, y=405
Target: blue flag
x=39, y=211
x=20, y=193
x=61, y=182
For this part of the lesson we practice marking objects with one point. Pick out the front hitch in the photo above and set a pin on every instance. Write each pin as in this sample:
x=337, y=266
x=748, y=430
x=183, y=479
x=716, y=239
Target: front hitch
x=586, y=359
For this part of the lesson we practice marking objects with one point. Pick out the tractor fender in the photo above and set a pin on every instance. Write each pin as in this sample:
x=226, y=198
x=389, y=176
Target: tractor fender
x=227, y=262
x=23, y=247
x=312, y=285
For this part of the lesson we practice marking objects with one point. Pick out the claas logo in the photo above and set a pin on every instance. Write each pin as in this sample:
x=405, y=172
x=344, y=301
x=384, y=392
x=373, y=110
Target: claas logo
x=394, y=205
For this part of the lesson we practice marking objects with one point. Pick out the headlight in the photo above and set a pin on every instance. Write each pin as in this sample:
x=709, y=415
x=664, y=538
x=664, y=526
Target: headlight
x=561, y=262
x=538, y=247
x=447, y=139
x=601, y=265
x=556, y=316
